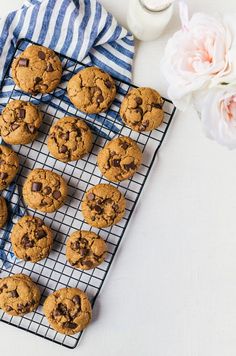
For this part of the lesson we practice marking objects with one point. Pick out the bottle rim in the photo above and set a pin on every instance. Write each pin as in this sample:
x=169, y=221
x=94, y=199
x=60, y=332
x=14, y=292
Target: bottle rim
x=160, y=9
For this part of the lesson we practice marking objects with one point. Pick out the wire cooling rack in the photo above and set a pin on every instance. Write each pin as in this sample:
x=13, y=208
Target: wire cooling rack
x=53, y=272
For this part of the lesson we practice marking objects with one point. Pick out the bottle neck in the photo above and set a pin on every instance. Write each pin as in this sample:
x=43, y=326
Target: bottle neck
x=149, y=6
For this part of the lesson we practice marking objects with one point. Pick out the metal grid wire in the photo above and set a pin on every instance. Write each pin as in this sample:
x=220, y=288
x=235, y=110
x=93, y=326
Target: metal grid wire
x=54, y=272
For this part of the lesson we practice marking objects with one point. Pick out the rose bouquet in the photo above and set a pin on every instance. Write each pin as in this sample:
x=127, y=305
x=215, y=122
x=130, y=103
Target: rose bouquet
x=200, y=67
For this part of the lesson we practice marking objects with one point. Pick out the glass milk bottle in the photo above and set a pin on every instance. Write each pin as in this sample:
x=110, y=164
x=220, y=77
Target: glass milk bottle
x=147, y=19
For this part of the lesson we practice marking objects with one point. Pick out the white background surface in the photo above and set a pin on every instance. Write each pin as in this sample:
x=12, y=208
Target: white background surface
x=172, y=288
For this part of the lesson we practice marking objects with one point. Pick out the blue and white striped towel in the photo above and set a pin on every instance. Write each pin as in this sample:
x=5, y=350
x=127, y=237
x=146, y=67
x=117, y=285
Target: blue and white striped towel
x=81, y=29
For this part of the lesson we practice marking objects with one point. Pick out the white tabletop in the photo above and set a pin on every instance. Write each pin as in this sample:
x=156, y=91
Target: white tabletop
x=172, y=288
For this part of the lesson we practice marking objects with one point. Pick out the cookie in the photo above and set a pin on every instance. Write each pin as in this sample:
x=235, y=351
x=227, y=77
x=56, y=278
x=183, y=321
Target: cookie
x=141, y=109
x=68, y=310
x=9, y=165
x=19, y=295
x=69, y=139
x=31, y=239
x=19, y=122
x=92, y=90
x=44, y=190
x=103, y=205
x=3, y=212
x=119, y=159
x=85, y=250
x=37, y=70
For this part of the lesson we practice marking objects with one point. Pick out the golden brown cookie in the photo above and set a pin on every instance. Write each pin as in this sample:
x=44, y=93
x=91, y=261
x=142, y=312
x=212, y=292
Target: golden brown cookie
x=141, y=109
x=69, y=139
x=3, y=212
x=19, y=122
x=103, y=205
x=44, y=190
x=68, y=310
x=9, y=165
x=119, y=159
x=19, y=295
x=85, y=250
x=92, y=90
x=37, y=70
x=31, y=239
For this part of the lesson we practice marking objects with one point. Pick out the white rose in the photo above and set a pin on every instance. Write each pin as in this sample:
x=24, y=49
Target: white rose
x=219, y=115
x=200, y=55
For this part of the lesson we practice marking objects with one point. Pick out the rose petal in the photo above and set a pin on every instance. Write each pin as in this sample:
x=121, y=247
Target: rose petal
x=219, y=115
x=198, y=58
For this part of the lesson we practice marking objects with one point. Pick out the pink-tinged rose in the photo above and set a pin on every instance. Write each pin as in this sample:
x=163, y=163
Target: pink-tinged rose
x=219, y=115
x=199, y=56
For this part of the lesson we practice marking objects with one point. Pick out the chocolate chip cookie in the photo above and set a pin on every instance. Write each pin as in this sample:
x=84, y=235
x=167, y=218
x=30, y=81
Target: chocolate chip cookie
x=141, y=109
x=68, y=310
x=44, y=190
x=69, y=139
x=85, y=250
x=103, y=205
x=92, y=90
x=19, y=295
x=19, y=122
x=9, y=165
x=119, y=159
x=37, y=70
x=31, y=239
x=3, y=212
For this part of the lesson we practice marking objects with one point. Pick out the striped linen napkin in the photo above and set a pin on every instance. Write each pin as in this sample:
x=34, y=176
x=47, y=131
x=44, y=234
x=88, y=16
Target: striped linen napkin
x=80, y=29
